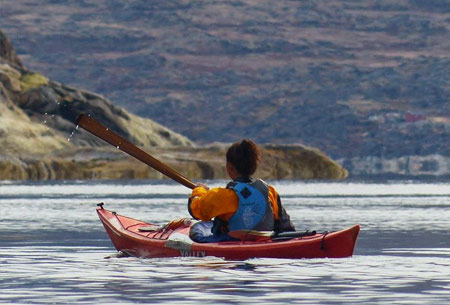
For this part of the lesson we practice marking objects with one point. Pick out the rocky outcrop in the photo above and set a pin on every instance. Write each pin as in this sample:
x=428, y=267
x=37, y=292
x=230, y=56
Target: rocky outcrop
x=39, y=139
x=19, y=134
x=37, y=115
x=58, y=106
x=7, y=53
x=279, y=162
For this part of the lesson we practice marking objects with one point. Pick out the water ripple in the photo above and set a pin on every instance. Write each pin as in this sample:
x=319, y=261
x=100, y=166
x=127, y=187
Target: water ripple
x=53, y=248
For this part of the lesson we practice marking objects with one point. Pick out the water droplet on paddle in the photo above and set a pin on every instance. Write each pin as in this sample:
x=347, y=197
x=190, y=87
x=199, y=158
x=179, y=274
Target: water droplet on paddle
x=117, y=147
x=77, y=127
x=71, y=135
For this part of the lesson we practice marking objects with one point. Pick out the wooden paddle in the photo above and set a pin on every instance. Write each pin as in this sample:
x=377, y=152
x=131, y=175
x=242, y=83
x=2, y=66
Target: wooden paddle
x=114, y=139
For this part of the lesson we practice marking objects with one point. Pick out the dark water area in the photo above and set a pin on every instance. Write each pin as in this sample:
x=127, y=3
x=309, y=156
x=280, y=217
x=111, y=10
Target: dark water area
x=53, y=248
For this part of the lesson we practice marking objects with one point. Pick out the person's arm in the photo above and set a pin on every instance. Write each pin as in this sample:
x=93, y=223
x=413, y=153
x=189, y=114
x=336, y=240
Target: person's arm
x=273, y=199
x=282, y=219
x=206, y=204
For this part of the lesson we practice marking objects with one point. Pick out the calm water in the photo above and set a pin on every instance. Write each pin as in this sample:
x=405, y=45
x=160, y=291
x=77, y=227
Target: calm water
x=53, y=247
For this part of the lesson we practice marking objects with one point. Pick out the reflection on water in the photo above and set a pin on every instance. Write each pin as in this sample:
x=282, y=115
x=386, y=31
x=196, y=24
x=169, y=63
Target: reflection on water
x=53, y=248
x=72, y=275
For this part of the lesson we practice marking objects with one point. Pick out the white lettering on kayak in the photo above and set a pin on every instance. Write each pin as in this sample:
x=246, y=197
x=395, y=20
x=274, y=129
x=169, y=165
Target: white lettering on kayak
x=193, y=253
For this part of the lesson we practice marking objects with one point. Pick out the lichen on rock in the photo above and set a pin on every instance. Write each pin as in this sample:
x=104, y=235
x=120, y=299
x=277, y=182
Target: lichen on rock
x=32, y=80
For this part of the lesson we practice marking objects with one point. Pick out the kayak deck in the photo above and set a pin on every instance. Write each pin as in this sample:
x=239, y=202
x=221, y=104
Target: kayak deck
x=166, y=242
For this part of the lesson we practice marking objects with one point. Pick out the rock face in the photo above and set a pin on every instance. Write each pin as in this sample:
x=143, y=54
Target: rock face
x=39, y=139
x=37, y=115
x=293, y=162
x=7, y=52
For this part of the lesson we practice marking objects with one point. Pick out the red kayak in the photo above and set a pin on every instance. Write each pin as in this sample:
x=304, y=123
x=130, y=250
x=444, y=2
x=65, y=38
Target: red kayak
x=141, y=239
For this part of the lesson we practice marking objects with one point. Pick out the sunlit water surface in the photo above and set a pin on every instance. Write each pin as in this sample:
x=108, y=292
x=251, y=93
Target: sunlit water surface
x=53, y=247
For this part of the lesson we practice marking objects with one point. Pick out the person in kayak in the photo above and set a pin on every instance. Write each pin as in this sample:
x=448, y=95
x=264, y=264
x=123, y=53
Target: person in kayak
x=244, y=204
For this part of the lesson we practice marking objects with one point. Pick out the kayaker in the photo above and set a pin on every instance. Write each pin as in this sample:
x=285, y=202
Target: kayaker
x=244, y=204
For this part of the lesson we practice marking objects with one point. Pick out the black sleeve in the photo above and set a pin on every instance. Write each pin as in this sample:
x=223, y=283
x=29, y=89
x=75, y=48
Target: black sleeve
x=284, y=222
x=189, y=208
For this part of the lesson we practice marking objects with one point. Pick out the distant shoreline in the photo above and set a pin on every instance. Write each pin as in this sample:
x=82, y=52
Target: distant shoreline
x=279, y=162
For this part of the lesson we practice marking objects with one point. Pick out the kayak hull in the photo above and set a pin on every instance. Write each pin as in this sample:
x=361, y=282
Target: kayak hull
x=126, y=237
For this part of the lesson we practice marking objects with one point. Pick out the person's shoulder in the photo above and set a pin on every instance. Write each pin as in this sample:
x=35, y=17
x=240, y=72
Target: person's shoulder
x=262, y=180
x=231, y=184
x=220, y=190
x=259, y=180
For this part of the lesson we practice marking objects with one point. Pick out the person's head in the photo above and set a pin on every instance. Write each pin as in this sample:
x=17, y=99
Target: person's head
x=242, y=159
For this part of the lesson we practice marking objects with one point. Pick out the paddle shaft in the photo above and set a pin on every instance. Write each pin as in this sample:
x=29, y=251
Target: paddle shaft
x=114, y=139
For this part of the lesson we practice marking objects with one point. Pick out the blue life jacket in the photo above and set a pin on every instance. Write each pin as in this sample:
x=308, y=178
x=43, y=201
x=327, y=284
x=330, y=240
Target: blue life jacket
x=254, y=211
